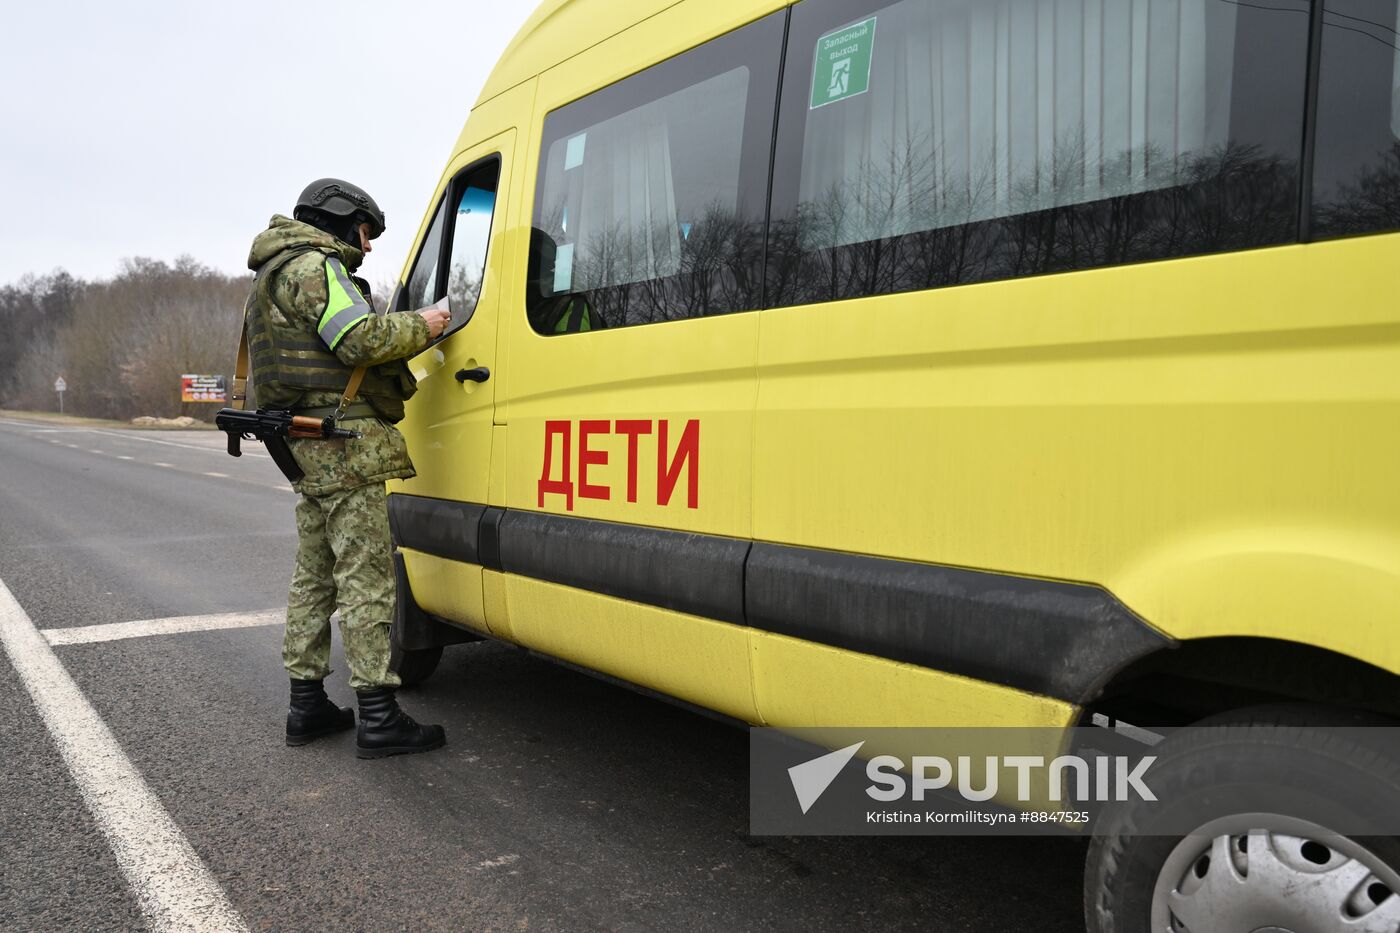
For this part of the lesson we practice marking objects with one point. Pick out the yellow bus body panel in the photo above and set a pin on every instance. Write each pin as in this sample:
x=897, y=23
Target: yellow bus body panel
x=1211, y=439
x=697, y=660
x=707, y=663
x=702, y=368
x=558, y=30
x=448, y=588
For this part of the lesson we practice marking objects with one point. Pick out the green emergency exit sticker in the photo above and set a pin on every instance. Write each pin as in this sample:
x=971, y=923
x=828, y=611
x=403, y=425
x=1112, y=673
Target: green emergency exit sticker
x=842, y=65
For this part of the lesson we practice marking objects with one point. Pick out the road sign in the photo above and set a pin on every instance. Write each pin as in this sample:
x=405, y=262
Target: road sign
x=59, y=385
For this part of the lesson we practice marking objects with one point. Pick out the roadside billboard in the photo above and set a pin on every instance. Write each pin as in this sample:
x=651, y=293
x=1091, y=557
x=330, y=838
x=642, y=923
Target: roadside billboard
x=199, y=388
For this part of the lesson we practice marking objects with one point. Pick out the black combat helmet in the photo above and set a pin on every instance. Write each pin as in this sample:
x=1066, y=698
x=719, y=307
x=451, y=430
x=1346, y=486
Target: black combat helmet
x=347, y=203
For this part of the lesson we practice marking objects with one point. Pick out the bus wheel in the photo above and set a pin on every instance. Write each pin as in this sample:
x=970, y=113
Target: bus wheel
x=1265, y=791
x=413, y=667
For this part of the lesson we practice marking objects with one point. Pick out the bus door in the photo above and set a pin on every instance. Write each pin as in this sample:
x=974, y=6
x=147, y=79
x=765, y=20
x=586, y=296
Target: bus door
x=450, y=430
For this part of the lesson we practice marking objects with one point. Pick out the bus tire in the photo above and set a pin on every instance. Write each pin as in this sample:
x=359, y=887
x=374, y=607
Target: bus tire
x=413, y=667
x=1236, y=783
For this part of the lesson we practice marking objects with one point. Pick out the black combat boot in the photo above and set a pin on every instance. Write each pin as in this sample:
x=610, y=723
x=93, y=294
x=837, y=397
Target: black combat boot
x=312, y=714
x=387, y=730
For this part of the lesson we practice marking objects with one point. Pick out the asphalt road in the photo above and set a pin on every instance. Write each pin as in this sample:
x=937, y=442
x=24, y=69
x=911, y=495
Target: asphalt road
x=560, y=803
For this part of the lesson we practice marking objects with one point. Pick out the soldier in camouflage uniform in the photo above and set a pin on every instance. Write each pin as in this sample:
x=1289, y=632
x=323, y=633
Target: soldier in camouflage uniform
x=309, y=324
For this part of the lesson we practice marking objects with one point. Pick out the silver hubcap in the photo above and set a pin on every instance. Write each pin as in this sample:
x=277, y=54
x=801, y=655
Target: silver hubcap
x=1295, y=877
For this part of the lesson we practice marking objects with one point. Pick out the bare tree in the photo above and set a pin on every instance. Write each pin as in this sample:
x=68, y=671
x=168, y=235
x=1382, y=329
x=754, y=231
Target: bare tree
x=123, y=343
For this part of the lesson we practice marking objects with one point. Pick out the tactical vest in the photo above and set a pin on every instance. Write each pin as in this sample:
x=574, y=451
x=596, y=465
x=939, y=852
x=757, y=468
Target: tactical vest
x=288, y=361
x=567, y=314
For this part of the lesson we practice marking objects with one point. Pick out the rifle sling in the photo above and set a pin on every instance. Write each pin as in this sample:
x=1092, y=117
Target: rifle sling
x=351, y=388
x=240, y=369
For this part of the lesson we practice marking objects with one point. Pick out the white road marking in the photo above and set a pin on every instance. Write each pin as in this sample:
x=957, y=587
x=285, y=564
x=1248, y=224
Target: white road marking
x=488, y=864
x=172, y=885
x=175, y=625
x=131, y=435
x=211, y=448
x=249, y=449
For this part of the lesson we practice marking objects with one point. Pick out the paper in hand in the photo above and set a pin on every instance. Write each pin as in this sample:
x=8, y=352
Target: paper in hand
x=440, y=305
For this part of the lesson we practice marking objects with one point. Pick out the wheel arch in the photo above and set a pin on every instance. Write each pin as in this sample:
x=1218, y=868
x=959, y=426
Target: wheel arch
x=1200, y=677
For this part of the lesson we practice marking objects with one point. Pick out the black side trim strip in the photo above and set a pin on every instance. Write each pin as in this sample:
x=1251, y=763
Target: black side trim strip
x=489, y=538
x=1064, y=640
x=699, y=574
x=438, y=527
x=1060, y=639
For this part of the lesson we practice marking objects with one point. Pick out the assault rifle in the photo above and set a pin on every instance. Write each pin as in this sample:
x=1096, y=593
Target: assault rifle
x=273, y=428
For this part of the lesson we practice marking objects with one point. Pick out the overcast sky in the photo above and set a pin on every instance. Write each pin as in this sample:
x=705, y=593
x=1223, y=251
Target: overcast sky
x=160, y=128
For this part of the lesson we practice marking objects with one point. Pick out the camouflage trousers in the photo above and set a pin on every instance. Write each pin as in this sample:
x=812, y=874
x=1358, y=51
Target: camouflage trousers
x=342, y=562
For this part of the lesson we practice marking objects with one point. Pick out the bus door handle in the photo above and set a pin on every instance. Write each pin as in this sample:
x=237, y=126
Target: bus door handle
x=479, y=374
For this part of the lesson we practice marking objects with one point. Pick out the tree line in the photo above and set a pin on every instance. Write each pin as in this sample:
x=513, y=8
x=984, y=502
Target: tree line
x=121, y=343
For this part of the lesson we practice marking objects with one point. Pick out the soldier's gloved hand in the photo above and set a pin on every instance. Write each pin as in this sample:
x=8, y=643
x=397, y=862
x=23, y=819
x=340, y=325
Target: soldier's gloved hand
x=437, y=321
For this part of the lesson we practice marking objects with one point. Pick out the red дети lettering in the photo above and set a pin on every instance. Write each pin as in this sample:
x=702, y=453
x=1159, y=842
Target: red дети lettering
x=633, y=430
x=588, y=457
x=687, y=451
x=669, y=464
x=563, y=486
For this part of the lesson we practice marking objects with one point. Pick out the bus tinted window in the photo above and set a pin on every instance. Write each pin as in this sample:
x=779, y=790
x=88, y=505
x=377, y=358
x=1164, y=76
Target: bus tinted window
x=650, y=199
x=422, y=288
x=937, y=142
x=475, y=197
x=1356, y=178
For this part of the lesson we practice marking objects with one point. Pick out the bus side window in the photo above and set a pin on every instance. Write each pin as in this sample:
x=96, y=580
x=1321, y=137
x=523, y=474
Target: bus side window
x=926, y=143
x=1356, y=173
x=475, y=196
x=651, y=192
x=452, y=260
x=422, y=286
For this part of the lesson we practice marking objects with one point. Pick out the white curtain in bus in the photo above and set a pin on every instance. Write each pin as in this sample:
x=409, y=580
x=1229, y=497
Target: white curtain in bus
x=979, y=109
x=626, y=229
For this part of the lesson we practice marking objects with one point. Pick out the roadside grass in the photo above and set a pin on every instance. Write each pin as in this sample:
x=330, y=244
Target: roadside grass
x=53, y=417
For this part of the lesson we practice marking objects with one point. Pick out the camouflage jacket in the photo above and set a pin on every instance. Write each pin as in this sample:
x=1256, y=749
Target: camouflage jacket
x=300, y=296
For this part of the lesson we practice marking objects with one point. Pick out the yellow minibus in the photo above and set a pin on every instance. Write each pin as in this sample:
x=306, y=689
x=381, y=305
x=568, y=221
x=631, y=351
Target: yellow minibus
x=942, y=363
